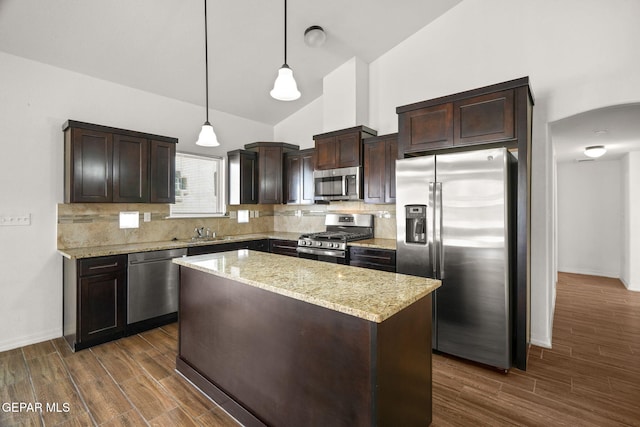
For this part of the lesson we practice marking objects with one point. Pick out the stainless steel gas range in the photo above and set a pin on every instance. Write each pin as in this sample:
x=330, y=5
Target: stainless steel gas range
x=331, y=245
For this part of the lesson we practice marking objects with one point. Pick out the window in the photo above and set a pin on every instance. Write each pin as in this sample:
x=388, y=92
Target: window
x=199, y=186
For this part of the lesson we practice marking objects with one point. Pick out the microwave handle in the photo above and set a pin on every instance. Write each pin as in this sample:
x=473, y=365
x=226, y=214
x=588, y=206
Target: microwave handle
x=345, y=185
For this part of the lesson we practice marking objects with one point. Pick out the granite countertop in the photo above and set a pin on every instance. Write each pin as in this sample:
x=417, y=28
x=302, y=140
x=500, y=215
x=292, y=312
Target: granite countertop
x=375, y=243
x=368, y=294
x=128, y=248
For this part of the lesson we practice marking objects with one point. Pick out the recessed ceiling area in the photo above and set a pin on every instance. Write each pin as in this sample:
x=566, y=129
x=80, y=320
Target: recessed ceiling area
x=158, y=45
x=616, y=127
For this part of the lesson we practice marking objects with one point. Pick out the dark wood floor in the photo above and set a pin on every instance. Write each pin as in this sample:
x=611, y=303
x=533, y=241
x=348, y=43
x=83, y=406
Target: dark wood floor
x=590, y=377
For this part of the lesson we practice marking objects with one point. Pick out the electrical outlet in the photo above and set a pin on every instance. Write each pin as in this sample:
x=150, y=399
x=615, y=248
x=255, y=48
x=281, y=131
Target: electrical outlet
x=147, y=217
x=15, y=220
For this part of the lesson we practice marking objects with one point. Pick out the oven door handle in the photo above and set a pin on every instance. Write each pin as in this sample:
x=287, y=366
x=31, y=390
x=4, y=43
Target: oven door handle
x=325, y=252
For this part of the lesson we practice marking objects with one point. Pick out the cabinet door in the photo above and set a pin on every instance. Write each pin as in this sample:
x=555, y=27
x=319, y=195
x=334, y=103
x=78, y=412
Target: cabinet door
x=270, y=175
x=374, y=171
x=298, y=172
x=326, y=153
x=91, y=179
x=426, y=129
x=293, y=178
x=130, y=174
x=102, y=305
x=307, y=186
x=391, y=148
x=484, y=118
x=348, y=147
x=248, y=179
x=162, y=188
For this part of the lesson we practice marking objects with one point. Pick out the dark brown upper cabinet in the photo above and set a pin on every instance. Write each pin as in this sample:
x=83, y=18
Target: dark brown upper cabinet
x=130, y=174
x=270, y=169
x=298, y=177
x=242, y=177
x=110, y=165
x=341, y=148
x=162, y=174
x=380, y=154
x=481, y=116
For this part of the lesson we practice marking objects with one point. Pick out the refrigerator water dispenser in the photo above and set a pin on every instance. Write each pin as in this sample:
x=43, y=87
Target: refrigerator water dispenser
x=416, y=230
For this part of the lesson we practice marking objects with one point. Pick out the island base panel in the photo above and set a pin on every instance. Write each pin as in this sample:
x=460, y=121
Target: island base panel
x=274, y=360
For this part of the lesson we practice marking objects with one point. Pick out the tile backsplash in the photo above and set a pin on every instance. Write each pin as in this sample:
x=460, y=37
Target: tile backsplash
x=97, y=224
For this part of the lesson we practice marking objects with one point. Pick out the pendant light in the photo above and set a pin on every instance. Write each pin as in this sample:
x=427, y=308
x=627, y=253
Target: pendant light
x=285, y=87
x=207, y=137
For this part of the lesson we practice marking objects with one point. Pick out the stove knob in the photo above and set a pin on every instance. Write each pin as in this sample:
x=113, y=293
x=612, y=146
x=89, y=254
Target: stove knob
x=318, y=243
x=302, y=243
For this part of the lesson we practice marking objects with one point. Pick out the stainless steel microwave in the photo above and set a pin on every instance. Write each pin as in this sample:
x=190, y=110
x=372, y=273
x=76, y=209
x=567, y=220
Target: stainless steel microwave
x=338, y=184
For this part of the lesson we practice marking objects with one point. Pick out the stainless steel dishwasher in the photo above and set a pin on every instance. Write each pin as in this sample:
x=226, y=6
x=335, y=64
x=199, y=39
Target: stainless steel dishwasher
x=152, y=284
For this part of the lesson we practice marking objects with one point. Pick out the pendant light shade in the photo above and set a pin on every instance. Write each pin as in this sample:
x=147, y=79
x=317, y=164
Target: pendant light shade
x=207, y=137
x=285, y=87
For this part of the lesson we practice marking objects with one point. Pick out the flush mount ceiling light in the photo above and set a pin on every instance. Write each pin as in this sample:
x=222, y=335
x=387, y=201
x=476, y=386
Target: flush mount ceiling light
x=595, y=151
x=207, y=137
x=314, y=36
x=285, y=87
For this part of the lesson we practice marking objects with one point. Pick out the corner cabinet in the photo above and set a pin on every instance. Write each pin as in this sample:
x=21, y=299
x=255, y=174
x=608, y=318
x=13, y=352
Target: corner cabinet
x=341, y=148
x=270, y=169
x=110, y=165
x=298, y=177
x=95, y=306
x=380, y=155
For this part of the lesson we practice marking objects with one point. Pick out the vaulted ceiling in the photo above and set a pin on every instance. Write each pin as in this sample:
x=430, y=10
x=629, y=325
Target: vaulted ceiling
x=158, y=45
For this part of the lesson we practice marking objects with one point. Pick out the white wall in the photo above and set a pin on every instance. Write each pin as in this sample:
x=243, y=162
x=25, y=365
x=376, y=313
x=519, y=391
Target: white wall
x=590, y=206
x=346, y=96
x=630, y=267
x=300, y=127
x=579, y=55
x=36, y=100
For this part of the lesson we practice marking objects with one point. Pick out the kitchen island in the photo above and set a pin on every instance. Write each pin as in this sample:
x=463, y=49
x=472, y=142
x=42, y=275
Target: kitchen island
x=284, y=341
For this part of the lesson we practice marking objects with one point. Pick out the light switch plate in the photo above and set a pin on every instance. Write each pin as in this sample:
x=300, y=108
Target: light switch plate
x=15, y=220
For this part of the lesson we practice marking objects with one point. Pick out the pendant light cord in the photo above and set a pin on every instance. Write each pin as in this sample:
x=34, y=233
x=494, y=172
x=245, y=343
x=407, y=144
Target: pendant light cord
x=206, y=60
x=285, y=32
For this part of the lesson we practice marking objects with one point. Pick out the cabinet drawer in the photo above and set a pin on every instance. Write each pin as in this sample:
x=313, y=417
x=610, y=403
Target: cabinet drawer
x=284, y=247
x=377, y=259
x=101, y=265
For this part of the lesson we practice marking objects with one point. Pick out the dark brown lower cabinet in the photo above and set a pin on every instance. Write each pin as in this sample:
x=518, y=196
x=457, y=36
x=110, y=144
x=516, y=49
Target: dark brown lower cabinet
x=283, y=247
x=373, y=258
x=95, y=306
x=261, y=245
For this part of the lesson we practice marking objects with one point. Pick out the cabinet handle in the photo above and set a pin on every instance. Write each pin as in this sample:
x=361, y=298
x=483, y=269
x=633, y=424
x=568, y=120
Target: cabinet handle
x=98, y=267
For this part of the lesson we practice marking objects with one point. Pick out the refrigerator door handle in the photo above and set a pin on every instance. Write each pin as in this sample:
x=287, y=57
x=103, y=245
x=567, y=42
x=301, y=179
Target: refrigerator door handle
x=431, y=236
x=437, y=231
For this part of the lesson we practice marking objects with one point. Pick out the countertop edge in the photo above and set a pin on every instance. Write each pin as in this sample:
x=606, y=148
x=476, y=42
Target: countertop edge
x=352, y=311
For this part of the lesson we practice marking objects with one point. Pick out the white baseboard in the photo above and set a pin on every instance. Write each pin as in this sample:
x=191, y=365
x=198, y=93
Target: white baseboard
x=589, y=272
x=31, y=339
x=630, y=287
x=545, y=343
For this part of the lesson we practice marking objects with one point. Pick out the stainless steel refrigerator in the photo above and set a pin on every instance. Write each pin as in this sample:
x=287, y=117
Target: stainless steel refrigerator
x=453, y=218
